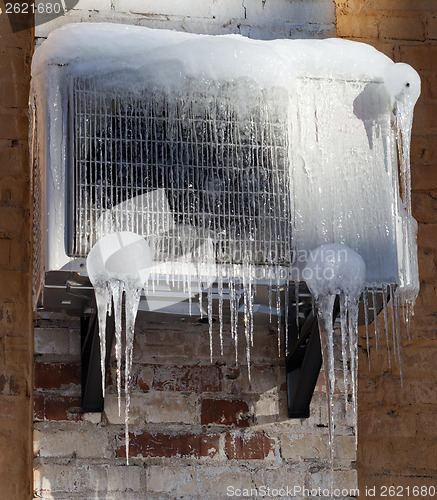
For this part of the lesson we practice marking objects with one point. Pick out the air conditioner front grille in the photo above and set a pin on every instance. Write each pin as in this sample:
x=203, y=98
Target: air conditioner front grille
x=218, y=151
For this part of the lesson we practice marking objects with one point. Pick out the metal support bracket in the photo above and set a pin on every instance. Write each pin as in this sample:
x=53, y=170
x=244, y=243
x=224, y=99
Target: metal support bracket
x=92, y=396
x=303, y=365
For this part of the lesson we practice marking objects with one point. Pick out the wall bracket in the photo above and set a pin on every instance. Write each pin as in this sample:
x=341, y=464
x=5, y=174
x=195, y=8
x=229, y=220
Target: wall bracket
x=303, y=364
x=92, y=395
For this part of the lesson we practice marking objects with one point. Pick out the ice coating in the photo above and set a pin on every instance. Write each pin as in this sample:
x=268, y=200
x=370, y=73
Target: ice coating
x=337, y=99
x=336, y=270
x=119, y=265
x=90, y=48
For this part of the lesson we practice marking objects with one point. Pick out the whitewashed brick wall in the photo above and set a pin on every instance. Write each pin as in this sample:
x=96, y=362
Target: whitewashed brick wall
x=197, y=427
x=265, y=19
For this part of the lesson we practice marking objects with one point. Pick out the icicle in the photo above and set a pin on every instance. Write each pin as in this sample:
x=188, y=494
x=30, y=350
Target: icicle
x=117, y=295
x=190, y=298
x=325, y=307
x=353, y=345
x=103, y=299
x=119, y=261
x=287, y=302
x=366, y=321
x=385, y=311
x=336, y=270
x=247, y=328
x=251, y=292
x=278, y=312
x=132, y=300
x=399, y=333
x=393, y=323
x=375, y=317
x=210, y=321
x=344, y=342
x=200, y=300
x=220, y=293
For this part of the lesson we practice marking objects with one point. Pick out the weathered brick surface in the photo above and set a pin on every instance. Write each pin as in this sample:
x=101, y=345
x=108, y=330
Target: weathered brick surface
x=249, y=445
x=168, y=445
x=57, y=375
x=187, y=378
x=187, y=437
x=397, y=439
x=15, y=266
x=271, y=19
x=225, y=412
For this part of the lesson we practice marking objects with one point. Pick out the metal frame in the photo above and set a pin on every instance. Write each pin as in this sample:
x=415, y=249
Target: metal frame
x=303, y=361
x=92, y=395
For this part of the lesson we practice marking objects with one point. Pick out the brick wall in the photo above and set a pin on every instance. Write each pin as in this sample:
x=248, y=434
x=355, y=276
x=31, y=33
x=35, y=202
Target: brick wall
x=254, y=18
x=196, y=427
x=15, y=268
x=398, y=438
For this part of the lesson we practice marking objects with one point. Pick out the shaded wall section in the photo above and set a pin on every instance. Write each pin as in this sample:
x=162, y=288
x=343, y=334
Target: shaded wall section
x=16, y=332
x=397, y=433
x=198, y=430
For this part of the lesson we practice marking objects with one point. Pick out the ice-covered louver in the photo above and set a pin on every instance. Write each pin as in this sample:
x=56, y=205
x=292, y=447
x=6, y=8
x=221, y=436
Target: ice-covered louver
x=260, y=150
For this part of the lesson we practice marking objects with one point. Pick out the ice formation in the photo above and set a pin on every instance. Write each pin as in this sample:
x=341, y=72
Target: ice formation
x=119, y=264
x=336, y=270
x=262, y=153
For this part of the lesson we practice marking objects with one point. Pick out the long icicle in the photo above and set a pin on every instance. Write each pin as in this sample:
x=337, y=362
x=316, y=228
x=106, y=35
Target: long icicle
x=132, y=300
x=325, y=307
x=103, y=302
x=353, y=345
x=344, y=342
x=117, y=295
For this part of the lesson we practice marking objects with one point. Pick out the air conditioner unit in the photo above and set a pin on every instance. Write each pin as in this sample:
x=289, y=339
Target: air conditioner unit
x=268, y=149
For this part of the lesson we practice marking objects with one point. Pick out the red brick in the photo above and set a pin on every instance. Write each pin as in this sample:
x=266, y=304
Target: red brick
x=38, y=407
x=12, y=66
x=13, y=221
x=402, y=28
x=248, y=446
x=13, y=159
x=225, y=412
x=425, y=116
x=409, y=6
x=420, y=56
x=424, y=177
x=168, y=445
x=427, y=267
x=55, y=407
x=404, y=456
x=421, y=152
x=427, y=236
x=432, y=28
x=366, y=6
x=424, y=207
x=187, y=378
x=13, y=125
x=56, y=375
x=13, y=93
x=358, y=26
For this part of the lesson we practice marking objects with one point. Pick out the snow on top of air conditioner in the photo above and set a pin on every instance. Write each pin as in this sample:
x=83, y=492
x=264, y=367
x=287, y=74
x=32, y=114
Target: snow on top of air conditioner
x=93, y=49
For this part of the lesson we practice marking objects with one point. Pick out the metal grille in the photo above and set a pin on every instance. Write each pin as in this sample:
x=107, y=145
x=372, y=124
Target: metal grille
x=218, y=151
